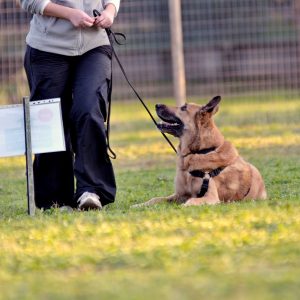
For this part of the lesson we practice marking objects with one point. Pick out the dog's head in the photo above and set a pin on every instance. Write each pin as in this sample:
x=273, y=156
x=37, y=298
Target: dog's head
x=188, y=121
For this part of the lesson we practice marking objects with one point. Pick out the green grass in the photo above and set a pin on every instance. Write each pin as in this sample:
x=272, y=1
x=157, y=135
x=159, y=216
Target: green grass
x=247, y=250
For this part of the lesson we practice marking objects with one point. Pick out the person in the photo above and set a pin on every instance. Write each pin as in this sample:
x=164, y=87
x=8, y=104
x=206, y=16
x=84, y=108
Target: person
x=68, y=56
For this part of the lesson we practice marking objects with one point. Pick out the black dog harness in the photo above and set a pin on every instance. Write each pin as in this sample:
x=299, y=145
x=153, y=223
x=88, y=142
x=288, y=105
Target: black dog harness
x=206, y=176
x=203, y=174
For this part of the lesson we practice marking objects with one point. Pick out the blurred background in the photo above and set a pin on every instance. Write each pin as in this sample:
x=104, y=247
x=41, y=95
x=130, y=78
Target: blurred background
x=233, y=48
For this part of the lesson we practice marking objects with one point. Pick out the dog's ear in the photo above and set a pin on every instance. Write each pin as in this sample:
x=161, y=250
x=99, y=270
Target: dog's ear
x=212, y=106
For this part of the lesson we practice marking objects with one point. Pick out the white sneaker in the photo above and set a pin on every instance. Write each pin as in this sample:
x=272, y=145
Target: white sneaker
x=89, y=201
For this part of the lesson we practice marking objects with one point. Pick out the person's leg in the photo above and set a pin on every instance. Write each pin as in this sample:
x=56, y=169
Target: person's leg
x=93, y=169
x=49, y=77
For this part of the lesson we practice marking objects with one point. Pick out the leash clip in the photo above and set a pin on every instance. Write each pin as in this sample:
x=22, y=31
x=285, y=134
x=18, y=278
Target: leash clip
x=206, y=175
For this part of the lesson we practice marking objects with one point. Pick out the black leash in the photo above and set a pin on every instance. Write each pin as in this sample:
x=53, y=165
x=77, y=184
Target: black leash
x=112, y=36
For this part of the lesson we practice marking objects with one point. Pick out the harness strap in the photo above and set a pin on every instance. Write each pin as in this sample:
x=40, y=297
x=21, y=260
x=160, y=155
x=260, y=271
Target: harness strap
x=205, y=183
x=204, y=188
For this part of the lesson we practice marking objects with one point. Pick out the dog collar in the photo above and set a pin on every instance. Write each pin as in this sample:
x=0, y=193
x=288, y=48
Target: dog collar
x=206, y=176
x=201, y=151
x=204, y=151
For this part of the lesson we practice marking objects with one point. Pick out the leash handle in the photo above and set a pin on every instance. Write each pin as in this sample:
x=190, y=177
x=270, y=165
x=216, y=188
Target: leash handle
x=111, y=34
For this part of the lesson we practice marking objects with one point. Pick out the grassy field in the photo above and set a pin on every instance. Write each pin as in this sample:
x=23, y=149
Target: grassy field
x=248, y=250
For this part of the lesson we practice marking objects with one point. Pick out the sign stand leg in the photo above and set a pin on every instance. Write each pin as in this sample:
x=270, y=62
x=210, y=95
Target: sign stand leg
x=28, y=154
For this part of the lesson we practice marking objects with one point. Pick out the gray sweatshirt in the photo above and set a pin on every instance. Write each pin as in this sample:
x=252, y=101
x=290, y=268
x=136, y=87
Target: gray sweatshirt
x=59, y=36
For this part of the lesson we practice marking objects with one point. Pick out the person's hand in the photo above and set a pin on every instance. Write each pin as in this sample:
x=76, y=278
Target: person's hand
x=80, y=19
x=107, y=17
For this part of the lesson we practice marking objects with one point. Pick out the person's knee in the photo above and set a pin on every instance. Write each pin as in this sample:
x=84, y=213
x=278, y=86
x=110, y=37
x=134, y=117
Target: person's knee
x=86, y=107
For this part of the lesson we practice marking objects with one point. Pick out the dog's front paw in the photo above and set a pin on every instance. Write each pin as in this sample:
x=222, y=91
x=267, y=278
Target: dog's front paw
x=201, y=201
x=193, y=201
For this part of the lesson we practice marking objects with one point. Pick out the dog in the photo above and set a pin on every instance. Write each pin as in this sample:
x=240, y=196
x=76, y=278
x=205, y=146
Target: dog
x=209, y=168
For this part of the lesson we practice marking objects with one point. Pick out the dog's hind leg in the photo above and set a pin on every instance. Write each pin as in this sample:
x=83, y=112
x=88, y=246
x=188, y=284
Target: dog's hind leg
x=211, y=197
x=156, y=200
x=257, y=187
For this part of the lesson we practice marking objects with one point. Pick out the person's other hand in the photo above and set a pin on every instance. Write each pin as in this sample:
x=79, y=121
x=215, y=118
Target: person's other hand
x=107, y=17
x=80, y=19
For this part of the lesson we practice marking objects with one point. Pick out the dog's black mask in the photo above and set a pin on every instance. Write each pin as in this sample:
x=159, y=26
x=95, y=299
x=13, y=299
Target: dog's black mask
x=171, y=124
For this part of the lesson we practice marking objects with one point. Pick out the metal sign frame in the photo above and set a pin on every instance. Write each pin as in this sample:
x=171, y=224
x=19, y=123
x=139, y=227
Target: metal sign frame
x=28, y=155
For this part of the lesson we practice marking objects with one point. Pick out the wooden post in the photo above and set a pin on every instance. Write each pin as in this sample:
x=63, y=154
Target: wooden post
x=28, y=154
x=179, y=82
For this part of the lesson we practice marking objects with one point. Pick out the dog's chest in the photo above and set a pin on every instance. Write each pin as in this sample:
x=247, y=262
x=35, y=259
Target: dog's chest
x=187, y=185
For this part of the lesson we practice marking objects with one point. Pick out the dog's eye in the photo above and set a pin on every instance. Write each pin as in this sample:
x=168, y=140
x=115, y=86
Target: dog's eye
x=184, y=107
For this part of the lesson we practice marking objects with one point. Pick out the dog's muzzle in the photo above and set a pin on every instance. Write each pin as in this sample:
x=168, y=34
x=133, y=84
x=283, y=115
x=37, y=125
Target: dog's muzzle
x=170, y=123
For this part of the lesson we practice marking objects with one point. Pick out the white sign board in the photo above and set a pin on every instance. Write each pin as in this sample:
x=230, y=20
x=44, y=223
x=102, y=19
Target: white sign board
x=47, y=132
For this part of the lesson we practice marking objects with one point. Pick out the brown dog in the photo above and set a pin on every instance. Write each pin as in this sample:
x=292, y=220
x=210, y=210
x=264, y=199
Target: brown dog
x=209, y=168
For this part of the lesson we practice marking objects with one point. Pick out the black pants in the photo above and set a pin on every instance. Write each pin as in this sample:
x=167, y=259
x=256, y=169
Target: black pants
x=82, y=83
